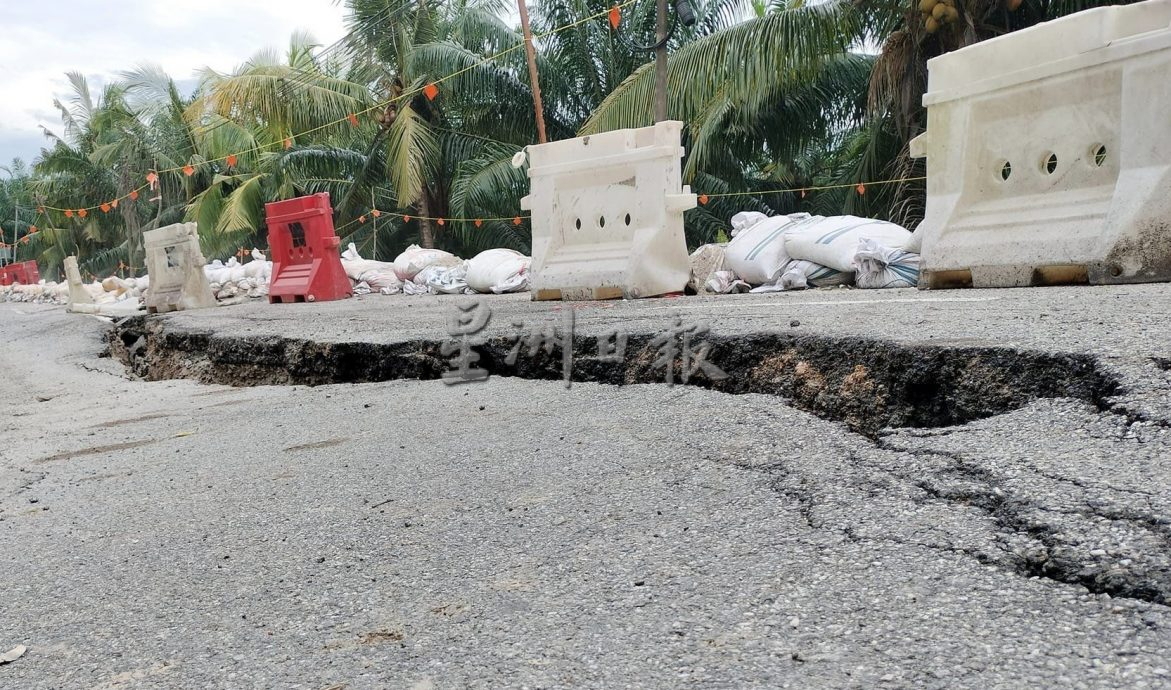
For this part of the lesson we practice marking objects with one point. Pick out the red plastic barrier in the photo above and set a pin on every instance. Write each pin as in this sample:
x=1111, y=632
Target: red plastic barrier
x=306, y=266
x=25, y=273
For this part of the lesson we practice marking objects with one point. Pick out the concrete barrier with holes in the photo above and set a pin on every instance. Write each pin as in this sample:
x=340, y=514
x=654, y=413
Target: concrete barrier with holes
x=607, y=215
x=1049, y=154
x=175, y=262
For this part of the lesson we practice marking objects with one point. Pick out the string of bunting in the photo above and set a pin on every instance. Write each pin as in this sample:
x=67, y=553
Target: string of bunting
x=703, y=199
x=430, y=90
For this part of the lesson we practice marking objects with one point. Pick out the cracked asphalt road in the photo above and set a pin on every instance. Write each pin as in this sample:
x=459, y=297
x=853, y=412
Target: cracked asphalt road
x=518, y=533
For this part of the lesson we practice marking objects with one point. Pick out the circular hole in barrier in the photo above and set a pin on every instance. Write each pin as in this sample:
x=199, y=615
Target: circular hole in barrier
x=628, y=219
x=577, y=223
x=1049, y=163
x=601, y=221
x=310, y=251
x=1005, y=170
x=1098, y=154
x=290, y=252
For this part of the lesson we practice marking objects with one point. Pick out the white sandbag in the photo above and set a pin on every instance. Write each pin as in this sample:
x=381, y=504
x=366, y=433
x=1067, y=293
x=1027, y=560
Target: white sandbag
x=446, y=280
x=704, y=262
x=799, y=274
x=499, y=271
x=725, y=282
x=415, y=258
x=879, y=266
x=410, y=287
x=833, y=241
x=376, y=274
x=757, y=252
x=256, y=270
x=746, y=219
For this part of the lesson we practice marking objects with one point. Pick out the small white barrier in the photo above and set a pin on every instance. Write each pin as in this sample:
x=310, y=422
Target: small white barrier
x=175, y=264
x=78, y=295
x=607, y=215
x=1049, y=154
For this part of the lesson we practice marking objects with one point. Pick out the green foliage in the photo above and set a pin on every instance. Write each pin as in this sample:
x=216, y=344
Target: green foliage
x=775, y=96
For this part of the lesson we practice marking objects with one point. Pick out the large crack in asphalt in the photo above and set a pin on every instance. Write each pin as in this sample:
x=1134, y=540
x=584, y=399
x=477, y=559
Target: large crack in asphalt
x=867, y=385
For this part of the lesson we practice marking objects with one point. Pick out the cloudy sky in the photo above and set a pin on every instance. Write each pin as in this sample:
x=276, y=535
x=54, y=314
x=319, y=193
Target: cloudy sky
x=40, y=40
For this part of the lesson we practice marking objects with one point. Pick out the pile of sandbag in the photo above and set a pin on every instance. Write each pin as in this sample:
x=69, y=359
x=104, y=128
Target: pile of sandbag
x=796, y=251
x=419, y=271
x=38, y=293
x=235, y=279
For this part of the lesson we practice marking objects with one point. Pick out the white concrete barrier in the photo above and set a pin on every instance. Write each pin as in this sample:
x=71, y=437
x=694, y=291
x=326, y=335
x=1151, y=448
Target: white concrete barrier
x=78, y=295
x=1049, y=154
x=175, y=262
x=607, y=215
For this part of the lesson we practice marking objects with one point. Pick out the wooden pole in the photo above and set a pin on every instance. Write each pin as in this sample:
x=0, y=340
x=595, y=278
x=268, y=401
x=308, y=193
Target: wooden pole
x=532, y=59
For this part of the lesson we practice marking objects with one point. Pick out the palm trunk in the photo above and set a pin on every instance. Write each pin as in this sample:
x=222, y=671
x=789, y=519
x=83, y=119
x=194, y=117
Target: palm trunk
x=134, y=249
x=426, y=231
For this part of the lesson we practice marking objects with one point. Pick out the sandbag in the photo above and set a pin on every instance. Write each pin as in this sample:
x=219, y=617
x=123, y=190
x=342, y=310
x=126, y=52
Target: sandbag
x=706, y=261
x=447, y=280
x=833, y=241
x=415, y=258
x=725, y=282
x=800, y=273
x=376, y=274
x=498, y=271
x=744, y=220
x=879, y=266
x=757, y=253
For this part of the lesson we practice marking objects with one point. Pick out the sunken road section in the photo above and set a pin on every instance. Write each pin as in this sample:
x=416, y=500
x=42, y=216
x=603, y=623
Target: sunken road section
x=866, y=384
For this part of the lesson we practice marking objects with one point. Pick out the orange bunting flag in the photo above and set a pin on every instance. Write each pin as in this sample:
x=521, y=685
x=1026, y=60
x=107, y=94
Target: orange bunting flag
x=288, y=143
x=361, y=219
x=479, y=222
x=231, y=160
x=802, y=193
x=353, y=119
x=40, y=209
x=133, y=194
x=406, y=219
x=68, y=213
x=431, y=91
x=516, y=221
x=114, y=203
x=32, y=229
x=152, y=177
x=861, y=188
x=376, y=213
x=703, y=199
x=441, y=222
x=82, y=212
x=105, y=208
x=615, y=16
x=24, y=239
x=188, y=170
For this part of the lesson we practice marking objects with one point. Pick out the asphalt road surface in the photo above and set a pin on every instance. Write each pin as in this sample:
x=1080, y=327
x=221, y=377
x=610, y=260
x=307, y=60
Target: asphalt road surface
x=518, y=533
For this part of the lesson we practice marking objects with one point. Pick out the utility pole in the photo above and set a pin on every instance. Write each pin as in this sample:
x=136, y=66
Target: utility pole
x=532, y=60
x=660, y=60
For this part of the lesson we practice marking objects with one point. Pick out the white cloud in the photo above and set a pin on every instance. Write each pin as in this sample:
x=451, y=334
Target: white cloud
x=44, y=40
